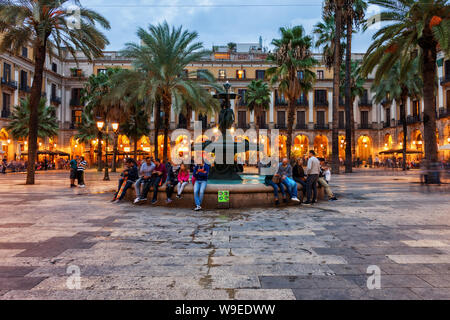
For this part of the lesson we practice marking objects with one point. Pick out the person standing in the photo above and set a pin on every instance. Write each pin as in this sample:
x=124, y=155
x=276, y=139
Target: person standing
x=73, y=171
x=129, y=176
x=285, y=172
x=145, y=172
x=201, y=172
x=82, y=164
x=312, y=170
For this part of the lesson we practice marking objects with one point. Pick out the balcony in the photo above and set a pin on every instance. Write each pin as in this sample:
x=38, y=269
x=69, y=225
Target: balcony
x=9, y=83
x=387, y=124
x=365, y=103
x=263, y=126
x=6, y=113
x=75, y=102
x=365, y=126
x=445, y=79
x=301, y=126
x=443, y=112
x=302, y=102
x=321, y=126
x=412, y=119
x=242, y=103
x=341, y=126
x=280, y=102
x=25, y=88
x=244, y=126
x=280, y=126
x=182, y=126
x=55, y=99
x=321, y=103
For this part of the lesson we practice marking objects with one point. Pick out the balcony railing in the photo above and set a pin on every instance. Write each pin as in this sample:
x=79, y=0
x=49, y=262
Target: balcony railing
x=302, y=102
x=243, y=126
x=301, y=126
x=55, y=99
x=445, y=79
x=263, y=126
x=365, y=103
x=443, y=112
x=279, y=102
x=75, y=102
x=281, y=126
x=6, y=113
x=387, y=124
x=321, y=126
x=25, y=88
x=182, y=126
x=9, y=83
x=321, y=103
x=412, y=119
x=365, y=126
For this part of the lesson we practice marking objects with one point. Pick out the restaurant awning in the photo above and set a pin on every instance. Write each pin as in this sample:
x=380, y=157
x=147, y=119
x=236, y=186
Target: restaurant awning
x=445, y=148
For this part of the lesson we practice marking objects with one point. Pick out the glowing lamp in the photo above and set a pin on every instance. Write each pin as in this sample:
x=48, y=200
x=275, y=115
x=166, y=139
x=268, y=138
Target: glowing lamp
x=115, y=126
x=100, y=125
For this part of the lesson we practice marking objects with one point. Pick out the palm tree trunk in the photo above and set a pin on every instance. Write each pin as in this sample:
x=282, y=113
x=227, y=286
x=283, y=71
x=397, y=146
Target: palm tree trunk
x=34, y=112
x=405, y=128
x=157, y=120
x=167, y=103
x=114, y=160
x=348, y=108
x=352, y=124
x=336, y=83
x=99, y=152
x=188, y=117
x=291, y=114
x=429, y=118
x=135, y=147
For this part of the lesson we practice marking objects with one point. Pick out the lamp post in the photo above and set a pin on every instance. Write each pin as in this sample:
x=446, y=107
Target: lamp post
x=100, y=125
x=115, y=126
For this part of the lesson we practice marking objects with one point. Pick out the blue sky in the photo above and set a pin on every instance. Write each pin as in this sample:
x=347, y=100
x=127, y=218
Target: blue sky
x=217, y=21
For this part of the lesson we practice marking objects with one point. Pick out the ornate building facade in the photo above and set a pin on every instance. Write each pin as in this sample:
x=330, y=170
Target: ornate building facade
x=378, y=126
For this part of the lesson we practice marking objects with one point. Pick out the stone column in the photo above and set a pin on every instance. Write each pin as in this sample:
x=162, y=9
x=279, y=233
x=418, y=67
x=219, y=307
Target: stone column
x=311, y=110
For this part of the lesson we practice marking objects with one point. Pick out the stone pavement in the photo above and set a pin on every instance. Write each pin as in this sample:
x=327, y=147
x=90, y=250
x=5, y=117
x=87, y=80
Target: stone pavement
x=129, y=252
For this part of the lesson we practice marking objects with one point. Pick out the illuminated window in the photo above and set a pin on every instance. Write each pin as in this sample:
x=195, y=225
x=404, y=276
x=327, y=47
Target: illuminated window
x=222, y=74
x=320, y=74
x=240, y=74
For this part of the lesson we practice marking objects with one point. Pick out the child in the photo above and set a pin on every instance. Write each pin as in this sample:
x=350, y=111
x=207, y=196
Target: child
x=183, y=180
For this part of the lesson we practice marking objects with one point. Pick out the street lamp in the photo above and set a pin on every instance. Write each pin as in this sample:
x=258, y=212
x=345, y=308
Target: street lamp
x=100, y=125
x=115, y=126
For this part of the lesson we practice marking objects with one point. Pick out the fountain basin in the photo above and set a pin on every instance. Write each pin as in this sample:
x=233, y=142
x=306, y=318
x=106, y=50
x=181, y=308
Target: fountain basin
x=251, y=192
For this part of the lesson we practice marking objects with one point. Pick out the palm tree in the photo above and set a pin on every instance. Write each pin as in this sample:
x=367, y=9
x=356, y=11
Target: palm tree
x=294, y=61
x=87, y=131
x=96, y=95
x=258, y=100
x=335, y=7
x=136, y=126
x=420, y=27
x=356, y=85
x=231, y=46
x=397, y=84
x=49, y=28
x=47, y=121
x=160, y=60
x=354, y=12
x=326, y=30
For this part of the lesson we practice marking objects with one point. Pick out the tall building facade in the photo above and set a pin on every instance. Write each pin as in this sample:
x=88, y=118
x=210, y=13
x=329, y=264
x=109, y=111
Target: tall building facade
x=378, y=126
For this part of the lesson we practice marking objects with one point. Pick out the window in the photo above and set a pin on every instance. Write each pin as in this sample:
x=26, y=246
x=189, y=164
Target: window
x=5, y=113
x=260, y=74
x=25, y=52
x=182, y=121
x=321, y=118
x=364, y=119
x=300, y=75
x=240, y=74
x=365, y=96
x=242, y=119
x=447, y=69
x=242, y=97
x=301, y=119
x=341, y=120
x=101, y=71
x=23, y=79
x=320, y=75
x=76, y=118
x=76, y=72
x=279, y=99
x=415, y=106
x=281, y=119
x=7, y=72
x=76, y=97
x=222, y=74
x=54, y=67
x=204, y=120
x=321, y=97
x=302, y=100
x=201, y=73
x=53, y=90
x=388, y=117
x=262, y=120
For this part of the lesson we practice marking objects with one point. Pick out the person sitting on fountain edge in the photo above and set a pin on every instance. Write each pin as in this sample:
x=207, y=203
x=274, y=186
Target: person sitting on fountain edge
x=129, y=176
x=285, y=171
x=201, y=172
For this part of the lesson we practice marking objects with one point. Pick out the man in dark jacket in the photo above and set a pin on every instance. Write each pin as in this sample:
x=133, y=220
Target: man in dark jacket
x=129, y=177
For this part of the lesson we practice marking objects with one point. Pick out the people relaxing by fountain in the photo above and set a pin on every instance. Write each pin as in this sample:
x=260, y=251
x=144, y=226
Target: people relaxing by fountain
x=299, y=176
x=325, y=178
x=285, y=172
x=145, y=173
x=128, y=178
x=274, y=181
x=183, y=180
x=158, y=177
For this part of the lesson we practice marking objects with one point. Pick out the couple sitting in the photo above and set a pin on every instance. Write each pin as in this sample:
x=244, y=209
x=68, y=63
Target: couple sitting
x=283, y=181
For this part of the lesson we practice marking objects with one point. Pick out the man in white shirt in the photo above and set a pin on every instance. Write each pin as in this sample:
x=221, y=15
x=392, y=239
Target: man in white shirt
x=312, y=171
x=145, y=173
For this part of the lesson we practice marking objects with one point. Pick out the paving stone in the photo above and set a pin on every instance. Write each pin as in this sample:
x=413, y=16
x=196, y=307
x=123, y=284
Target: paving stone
x=411, y=269
x=19, y=283
x=328, y=294
x=305, y=282
x=8, y=271
x=438, y=281
x=432, y=293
